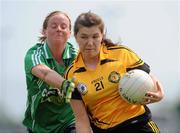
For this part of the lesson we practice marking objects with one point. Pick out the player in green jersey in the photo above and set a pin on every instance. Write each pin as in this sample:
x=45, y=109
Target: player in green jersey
x=97, y=69
x=48, y=93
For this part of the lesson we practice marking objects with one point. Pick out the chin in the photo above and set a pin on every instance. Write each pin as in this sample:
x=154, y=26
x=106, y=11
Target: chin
x=60, y=40
x=91, y=55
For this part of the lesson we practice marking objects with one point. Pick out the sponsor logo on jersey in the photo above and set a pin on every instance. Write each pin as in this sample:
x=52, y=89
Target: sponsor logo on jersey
x=114, y=77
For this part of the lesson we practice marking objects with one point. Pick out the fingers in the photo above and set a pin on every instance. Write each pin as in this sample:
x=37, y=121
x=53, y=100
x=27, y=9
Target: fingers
x=160, y=89
x=69, y=90
x=72, y=79
x=150, y=98
x=158, y=86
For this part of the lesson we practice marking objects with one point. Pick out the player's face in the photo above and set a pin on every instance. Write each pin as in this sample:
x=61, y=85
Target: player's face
x=58, y=29
x=89, y=40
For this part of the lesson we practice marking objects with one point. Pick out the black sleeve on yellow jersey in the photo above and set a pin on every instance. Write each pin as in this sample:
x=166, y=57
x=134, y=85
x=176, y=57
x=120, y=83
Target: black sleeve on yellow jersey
x=76, y=95
x=145, y=67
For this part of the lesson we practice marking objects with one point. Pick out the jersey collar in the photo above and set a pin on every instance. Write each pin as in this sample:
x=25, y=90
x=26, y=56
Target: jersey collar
x=66, y=54
x=103, y=55
x=103, y=52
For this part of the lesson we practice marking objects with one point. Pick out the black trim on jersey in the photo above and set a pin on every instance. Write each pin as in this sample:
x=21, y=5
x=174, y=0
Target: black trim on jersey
x=139, y=120
x=81, y=69
x=118, y=47
x=145, y=67
x=95, y=120
x=106, y=61
x=67, y=71
x=138, y=62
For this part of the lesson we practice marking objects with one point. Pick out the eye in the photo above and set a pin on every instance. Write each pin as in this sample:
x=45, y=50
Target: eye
x=84, y=37
x=96, y=36
x=63, y=26
x=53, y=26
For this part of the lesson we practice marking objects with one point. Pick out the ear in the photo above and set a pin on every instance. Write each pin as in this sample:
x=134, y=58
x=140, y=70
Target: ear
x=69, y=34
x=103, y=37
x=75, y=36
x=76, y=39
x=44, y=32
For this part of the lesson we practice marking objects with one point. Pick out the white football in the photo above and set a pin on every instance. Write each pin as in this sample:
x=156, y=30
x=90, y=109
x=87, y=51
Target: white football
x=134, y=85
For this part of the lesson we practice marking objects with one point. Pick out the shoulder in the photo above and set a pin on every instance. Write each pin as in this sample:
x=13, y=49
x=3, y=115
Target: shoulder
x=118, y=51
x=35, y=50
x=76, y=66
x=36, y=47
x=118, y=48
x=72, y=48
x=70, y=70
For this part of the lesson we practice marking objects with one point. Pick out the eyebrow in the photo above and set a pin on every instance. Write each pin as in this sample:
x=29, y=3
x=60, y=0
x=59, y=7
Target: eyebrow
x=90, y=34
x=53, y=23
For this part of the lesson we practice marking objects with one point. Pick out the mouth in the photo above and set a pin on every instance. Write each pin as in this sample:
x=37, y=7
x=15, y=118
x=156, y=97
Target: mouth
x=59, y=35
x=89, y=49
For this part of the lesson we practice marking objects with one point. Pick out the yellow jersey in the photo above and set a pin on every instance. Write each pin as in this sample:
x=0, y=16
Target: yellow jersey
x=99, y=87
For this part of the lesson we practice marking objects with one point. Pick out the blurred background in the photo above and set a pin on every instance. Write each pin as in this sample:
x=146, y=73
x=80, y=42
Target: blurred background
x=149, y=27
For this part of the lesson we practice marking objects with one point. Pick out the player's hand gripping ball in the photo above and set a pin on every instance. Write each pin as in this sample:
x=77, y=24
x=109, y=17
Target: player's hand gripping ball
x=134, y=85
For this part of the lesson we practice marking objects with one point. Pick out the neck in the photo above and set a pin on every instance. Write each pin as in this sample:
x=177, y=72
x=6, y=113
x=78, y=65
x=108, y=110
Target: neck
x=57, y=51
x=91, y=62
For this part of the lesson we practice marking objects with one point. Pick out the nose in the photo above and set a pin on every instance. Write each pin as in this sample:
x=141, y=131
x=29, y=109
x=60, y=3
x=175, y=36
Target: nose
x=59, y=28
x=90, y=41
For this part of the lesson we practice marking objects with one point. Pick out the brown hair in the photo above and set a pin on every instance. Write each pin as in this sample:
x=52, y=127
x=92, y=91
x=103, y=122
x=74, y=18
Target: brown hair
x=46, y=20
x=90, y=19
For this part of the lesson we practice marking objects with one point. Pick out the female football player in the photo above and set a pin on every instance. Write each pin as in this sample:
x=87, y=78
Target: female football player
x=48, y=110
x=97, y=70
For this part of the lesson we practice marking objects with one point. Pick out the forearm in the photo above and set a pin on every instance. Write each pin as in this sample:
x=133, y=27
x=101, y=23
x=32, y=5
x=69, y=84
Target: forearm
x=81, y=128
x=48, y=75
x=53, y=79
x=82, y=120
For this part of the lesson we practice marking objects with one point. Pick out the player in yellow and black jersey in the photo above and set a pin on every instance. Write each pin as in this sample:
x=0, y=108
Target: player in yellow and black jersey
x=97, y=70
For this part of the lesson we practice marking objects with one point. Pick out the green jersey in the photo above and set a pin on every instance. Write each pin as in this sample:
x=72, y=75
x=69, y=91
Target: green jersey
x=52, y=114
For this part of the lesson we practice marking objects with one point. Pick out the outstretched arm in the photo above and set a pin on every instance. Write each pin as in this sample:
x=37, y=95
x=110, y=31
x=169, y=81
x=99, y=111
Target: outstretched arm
x=54, y=79
x=82, y=120
x=48, y=75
